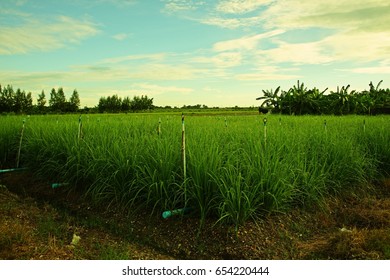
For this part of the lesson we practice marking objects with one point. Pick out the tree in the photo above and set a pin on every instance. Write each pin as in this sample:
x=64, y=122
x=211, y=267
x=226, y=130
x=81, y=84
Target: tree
x=7, y=99
x=111, y=104
x=141, y=103
x=41, y=102
x=300, y=100
x=271, y=100
x=126, y=104
x=74, y=101
x=57, y=100
x=342, y=100
x=28, y=105
x=102, y=104
x=53, y=100
x=115, y=104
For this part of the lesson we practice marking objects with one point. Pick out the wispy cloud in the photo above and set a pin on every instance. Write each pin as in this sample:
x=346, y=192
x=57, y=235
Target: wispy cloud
x=120, y=36
x=211, y=13
x=229, y=23
x=118, y=3
x=220, y=60
x=40, y=35
x=153, y=89
x=268, y=72
x=333, y=13
x=127, y=58
x=240, y=6
x=246, y=42
x=358, y=30
x=179, y=6
x=265, y=76
x=370, y=70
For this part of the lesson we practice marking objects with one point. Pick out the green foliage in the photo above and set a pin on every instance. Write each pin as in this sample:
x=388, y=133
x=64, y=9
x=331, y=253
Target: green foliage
x=299, y=100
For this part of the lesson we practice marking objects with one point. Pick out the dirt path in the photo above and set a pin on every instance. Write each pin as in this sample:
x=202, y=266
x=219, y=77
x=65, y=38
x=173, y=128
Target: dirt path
x=37, y=222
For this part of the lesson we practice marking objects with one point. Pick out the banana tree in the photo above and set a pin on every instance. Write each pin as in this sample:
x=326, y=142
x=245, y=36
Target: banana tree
x=300, y=102
x=316, y=101
x=341, y=100
x=271, y=100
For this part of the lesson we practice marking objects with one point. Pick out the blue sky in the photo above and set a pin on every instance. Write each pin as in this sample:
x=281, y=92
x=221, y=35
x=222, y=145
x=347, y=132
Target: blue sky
x=218, y=53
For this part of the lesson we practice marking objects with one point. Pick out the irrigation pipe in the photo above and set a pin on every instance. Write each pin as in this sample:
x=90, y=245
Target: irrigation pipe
x=57, y=185
x=170, y=213
x=12, y=170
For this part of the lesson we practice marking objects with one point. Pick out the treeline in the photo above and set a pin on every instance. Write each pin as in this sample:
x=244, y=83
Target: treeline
x=20, y=102
x=299, y=100
x=115, y=104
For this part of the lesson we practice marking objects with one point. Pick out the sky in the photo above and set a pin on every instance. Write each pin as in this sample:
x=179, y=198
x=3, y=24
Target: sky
x=185, y=52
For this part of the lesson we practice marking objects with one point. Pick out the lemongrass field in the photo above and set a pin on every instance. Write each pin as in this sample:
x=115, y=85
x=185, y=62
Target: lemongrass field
x=236, y=168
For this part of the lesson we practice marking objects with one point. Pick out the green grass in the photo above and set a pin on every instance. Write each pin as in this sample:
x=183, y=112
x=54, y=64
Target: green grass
x=233, y=172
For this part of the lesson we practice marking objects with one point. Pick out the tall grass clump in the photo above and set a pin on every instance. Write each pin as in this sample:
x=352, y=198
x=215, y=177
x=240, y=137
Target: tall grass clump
x=10, y=134
x=234, y=172
x=374, y=141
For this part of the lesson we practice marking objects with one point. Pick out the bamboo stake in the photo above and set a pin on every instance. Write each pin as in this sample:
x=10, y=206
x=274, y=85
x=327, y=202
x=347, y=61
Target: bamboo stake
x=364, y=125
x=20, y=144
x=183, y=146
x=159, y=127
x=80, y=133
x=265, y=131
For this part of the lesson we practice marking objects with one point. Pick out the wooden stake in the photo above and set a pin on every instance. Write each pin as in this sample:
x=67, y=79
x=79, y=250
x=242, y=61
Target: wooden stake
x=265, y=130
x=159, y=127
x=183, y=146
x=20, y=144
x=364, y=125
x=80, y=133
x=325, y=125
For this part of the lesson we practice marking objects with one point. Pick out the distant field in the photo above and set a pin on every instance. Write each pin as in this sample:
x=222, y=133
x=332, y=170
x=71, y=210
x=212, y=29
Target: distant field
x=238, y=165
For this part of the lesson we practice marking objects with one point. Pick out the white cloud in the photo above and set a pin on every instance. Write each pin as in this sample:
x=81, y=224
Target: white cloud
x=339, y=15
x=118, y=3
x=370, y=70
x=304, y=53
x=178, y=6
x=267, y=72
x=240, y=6
x=157, y=89
x=230, y=23
x=356, y=30
x=265, y=76
x=39, y=35
x=246, y=43
x=127, y=58
x=221, y=60
x=120, y=36
x=342, y=46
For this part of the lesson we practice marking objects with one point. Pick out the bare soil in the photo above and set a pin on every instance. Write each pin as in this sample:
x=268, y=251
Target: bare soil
x=38, y=222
